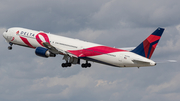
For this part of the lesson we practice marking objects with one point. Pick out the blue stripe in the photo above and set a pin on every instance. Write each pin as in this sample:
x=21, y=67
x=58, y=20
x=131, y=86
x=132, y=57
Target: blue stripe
x=139, y=50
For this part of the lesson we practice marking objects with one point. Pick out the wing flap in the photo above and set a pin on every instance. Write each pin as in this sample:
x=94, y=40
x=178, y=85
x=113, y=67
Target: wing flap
x=51, y=48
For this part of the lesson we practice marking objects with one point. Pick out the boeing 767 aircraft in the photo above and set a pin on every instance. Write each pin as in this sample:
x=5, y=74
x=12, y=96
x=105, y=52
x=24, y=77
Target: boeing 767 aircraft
x=49, y=45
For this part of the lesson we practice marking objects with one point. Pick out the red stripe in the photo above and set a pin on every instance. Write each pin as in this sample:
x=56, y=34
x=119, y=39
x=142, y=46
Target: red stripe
x=26, y=42
x=152, y=50
x=45, y=37
x=146, y=45
x=147, y=42
x=94, y=51
x=13, y=39
x=153, y=38
x=17, y=32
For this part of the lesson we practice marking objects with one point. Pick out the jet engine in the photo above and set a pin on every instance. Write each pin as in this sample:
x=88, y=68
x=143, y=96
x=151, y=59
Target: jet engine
x=44, y=52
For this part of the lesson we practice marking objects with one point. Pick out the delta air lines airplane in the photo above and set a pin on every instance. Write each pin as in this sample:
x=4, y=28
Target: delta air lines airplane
x=73, y=50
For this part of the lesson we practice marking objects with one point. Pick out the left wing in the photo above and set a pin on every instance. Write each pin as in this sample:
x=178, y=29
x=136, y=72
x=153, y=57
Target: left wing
x=51, y=48
x=57, y=51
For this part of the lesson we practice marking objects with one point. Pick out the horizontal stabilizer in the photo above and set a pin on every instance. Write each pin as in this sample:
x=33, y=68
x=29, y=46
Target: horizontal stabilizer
x=140, y=62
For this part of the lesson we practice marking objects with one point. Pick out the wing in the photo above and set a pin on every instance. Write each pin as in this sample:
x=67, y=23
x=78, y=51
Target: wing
x=128, y=48
x=57, y=51
x=51, y=48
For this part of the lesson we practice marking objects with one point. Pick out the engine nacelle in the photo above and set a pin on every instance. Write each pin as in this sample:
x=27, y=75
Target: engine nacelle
x=44, y=52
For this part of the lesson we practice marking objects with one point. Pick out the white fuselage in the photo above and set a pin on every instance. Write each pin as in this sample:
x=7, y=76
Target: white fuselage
x=82, y=49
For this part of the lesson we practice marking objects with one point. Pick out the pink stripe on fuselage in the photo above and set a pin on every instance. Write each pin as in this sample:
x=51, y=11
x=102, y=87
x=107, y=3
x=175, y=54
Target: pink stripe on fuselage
x=45, y=37
x=94, y=51
x=26, y=42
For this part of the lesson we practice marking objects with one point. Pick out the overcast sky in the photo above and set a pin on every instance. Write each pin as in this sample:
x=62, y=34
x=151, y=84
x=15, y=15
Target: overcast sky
x=120, y=23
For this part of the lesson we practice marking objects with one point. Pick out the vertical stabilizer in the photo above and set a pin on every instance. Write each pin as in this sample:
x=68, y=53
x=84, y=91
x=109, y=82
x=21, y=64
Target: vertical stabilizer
x=147, y=47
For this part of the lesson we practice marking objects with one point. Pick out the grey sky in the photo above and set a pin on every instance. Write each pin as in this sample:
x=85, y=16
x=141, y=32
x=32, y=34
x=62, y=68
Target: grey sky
x=120, y=23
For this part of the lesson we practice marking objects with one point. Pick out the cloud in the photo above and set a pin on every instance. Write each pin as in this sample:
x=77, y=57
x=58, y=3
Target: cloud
x=121, y=13
x=165, y=87
x=63, y=16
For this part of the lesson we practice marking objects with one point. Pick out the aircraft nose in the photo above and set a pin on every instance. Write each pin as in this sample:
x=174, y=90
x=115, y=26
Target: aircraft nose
x=4, y=34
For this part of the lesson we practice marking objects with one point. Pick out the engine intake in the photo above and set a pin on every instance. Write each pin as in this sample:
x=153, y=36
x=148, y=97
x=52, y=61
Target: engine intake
x=44, y=52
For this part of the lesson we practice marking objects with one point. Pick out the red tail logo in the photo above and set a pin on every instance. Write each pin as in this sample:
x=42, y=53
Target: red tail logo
x=39, y=40
x=147, y=47
x=150, y=44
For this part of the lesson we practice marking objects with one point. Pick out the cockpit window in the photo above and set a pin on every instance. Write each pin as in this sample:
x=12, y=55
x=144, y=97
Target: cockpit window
x=6, y=30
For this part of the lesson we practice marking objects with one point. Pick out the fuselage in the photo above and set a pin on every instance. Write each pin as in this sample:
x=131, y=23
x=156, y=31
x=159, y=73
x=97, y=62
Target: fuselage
x=82, y=49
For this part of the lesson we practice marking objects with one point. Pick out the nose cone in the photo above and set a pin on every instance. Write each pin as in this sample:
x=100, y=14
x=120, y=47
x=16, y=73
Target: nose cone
x=4, y=35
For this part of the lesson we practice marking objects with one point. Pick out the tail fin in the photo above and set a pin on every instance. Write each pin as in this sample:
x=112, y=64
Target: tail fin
x=147, y=47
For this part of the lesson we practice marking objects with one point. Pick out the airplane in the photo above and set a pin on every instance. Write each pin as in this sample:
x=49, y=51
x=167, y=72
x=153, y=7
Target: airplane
x=73, y=50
